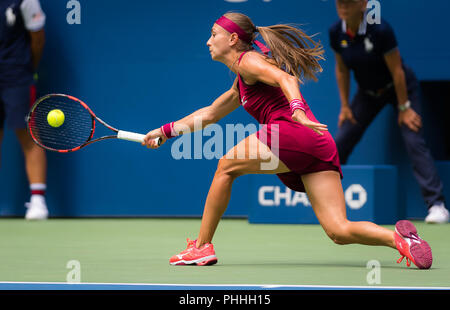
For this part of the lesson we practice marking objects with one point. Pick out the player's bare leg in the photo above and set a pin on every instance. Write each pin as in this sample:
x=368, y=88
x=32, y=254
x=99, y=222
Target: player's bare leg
x=325, y=193
x=247, y=157
x=324, y=190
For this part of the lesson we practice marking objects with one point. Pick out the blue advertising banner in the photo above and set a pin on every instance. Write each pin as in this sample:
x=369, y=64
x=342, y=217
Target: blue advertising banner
x=370, y=195
x=142, y=64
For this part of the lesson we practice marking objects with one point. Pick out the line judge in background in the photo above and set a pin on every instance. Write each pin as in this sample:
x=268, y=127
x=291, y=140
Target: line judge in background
x=21, y=44
x=371, y=52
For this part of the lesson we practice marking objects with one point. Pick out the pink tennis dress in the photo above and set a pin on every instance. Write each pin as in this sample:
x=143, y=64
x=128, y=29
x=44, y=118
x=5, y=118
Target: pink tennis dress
x=301, y=149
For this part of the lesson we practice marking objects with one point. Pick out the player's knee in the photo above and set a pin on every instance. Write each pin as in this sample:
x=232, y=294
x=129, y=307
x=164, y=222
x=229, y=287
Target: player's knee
x=228, y=167
x=339, y=234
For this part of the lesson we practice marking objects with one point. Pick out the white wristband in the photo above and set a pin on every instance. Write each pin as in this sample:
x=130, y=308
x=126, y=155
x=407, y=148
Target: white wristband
x=405, y=106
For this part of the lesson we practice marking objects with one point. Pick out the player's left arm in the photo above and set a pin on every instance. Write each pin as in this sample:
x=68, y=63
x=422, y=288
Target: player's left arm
x=254, y=67
x=408, y=117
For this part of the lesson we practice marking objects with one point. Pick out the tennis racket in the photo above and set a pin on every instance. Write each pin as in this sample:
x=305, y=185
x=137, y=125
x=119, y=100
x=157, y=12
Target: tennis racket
x=77, y=129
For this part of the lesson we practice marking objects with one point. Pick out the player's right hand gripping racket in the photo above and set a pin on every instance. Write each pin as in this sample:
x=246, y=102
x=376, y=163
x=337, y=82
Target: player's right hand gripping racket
x=77, y=128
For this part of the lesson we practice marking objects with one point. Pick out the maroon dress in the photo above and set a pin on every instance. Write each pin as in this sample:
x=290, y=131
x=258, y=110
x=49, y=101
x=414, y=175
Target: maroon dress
x=301, y=149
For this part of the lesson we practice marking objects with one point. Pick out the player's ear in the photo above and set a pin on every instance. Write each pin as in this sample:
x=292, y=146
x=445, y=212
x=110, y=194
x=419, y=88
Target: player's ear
x=233, y=39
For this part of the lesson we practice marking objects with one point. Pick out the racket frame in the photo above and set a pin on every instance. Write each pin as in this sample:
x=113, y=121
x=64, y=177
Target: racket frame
x=124, y=135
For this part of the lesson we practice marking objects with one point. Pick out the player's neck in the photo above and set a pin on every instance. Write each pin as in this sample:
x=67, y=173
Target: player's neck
x=231, y=60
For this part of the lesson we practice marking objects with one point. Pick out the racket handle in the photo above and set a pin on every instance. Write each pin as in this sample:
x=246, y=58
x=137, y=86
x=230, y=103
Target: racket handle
x=135, y=137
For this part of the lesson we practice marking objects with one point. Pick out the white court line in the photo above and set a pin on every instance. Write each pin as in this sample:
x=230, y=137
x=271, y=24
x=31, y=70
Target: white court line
x=230, y=286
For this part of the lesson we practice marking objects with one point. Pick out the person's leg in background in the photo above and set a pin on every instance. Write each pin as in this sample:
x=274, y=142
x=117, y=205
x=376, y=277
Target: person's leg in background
x=2, y=123
x=364, y=109
x=36, y=169
x=17, y=101
x=424, y=168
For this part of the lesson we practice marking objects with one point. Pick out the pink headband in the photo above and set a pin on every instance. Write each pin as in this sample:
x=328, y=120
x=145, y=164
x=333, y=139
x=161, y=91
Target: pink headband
x=232, y=27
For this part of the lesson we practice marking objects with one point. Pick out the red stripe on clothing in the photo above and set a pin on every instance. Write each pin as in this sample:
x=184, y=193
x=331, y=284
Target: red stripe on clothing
x=32, y=94
x=350, y=34
x=38, y=192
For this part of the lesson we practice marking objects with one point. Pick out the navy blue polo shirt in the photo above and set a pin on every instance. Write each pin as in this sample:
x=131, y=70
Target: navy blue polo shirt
x=364, y=53
x=17, y=18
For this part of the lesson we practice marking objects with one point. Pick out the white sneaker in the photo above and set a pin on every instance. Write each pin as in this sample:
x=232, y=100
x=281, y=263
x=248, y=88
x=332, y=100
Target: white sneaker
x=37, y=208
x=437, y=214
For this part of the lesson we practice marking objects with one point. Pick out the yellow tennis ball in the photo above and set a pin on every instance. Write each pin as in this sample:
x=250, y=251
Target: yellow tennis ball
x=55, y=118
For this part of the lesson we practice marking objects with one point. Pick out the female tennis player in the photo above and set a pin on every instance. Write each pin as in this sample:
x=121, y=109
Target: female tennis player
x=268, y=88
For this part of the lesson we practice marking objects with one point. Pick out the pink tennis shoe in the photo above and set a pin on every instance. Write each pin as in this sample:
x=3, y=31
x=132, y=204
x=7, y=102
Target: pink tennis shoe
x=409, y=244
x=205, y=255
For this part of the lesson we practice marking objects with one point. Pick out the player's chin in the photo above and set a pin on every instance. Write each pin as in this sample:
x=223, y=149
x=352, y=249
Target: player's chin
x=214, y=56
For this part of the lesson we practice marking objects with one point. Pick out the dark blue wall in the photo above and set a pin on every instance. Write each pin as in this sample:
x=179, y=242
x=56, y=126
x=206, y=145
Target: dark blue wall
x=140, y=64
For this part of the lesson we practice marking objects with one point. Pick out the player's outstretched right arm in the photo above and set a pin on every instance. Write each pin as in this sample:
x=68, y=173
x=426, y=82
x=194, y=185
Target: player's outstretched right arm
x=222, y=106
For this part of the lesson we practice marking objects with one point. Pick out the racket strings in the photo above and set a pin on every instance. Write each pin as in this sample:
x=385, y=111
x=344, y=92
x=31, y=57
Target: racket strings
x=75, y=130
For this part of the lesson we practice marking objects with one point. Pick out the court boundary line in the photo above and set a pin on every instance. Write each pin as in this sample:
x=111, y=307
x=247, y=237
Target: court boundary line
x=188, y=286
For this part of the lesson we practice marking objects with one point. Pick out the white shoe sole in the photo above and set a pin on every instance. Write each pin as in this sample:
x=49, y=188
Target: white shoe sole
x=195, y=261
x=36, y=217
x=437, y=220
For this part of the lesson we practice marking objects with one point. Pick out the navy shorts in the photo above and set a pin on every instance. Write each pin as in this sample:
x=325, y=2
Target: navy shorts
x=15, y=103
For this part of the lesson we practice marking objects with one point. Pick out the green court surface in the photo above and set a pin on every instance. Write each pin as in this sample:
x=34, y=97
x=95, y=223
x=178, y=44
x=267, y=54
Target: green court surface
x=138, y=250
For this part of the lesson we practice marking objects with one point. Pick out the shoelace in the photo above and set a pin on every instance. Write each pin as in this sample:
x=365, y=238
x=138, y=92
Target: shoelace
x=408, y=262
x=414, y=238
x=190, y=244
